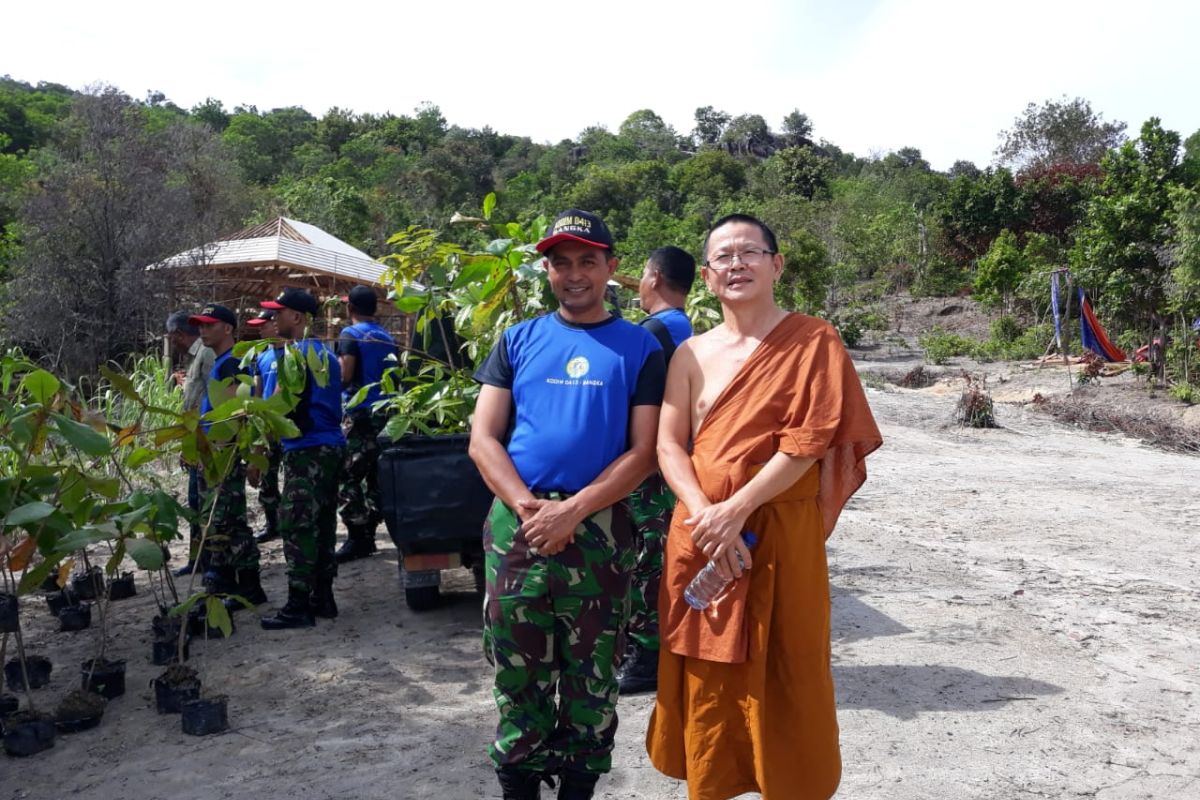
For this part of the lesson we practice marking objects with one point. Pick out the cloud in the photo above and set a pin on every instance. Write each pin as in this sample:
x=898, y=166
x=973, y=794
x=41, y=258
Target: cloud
x=874, y=75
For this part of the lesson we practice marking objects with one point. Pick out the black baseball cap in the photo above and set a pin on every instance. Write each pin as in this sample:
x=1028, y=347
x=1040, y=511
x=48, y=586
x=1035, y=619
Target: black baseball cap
x=295, y=299
x=214, y=312
x=263, y=317
x=574, y=225
x=362, y=299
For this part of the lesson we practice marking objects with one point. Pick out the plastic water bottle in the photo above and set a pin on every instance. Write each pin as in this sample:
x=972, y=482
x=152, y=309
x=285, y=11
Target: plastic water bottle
x=708, y=583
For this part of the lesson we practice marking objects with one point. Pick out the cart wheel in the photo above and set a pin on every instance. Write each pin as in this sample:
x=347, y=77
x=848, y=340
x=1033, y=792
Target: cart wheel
x=480, y=579
x=422, y=598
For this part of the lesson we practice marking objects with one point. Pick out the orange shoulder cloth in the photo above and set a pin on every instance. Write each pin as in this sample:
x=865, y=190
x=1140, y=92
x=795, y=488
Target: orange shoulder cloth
x=799, y=394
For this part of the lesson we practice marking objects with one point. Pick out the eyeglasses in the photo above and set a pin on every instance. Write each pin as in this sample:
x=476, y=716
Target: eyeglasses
x=749, y=258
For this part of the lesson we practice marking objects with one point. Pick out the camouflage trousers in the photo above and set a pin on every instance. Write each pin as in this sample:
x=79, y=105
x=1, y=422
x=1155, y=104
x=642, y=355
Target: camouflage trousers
x=552, y=627
x=308, y=513
x=650, y=507
x=359, y=494
x=230, y=542
x=268, y=482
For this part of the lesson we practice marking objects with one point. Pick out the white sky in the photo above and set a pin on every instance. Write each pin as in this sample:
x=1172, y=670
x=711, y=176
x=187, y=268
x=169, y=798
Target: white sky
x=945, y=76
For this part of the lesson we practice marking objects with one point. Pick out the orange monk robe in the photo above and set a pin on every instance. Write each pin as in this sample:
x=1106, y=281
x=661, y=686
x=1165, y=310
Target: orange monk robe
x=745, y=692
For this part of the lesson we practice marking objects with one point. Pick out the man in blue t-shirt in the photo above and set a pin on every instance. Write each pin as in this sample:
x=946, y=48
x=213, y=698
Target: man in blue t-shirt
x=364, y=351
x=311, y=464
x=666, y=280
x=266, y=375
x=564, y=429
x=232, y=566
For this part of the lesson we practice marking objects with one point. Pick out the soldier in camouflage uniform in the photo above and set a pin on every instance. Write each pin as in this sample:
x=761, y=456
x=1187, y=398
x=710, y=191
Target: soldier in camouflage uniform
x=365, y=350
x=311, y=466
x=308, y=521
x=184, y=337
x=230, y=543
x=266, y=376
x=582, y=390
x=667, y=277
x=650, y=508
x=233, y=563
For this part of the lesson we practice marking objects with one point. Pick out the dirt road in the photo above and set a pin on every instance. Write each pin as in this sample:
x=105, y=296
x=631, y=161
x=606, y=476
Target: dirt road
x=1016, y=615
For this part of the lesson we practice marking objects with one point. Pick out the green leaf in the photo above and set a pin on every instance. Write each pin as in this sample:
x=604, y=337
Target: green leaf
x=473, y=272
x=106, y=487
x=84, y=537
x=82, y=437
x=140, y=456
x=489, y=205
x=122, y=384
x=498, y=247
x=169, y=434
x=360, y=395
x=145, y=553
x=28, y=513
x=411, y=303
x=281, y=426
x=293, y=371
x=317, y=366
x=257, y=459
x=218, y=615
x=34, y=577
x=186, y=605
x=41, y=385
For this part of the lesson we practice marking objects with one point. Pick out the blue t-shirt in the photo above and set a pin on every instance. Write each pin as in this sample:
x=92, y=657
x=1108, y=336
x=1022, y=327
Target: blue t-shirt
x=573, y=387
x=225, y=367
x=268, y=369
x=371, y=346
x=318, y=415
x=676, y=323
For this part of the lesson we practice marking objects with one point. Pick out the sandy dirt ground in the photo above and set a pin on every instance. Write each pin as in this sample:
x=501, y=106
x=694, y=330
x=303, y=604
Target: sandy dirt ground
x=1016, y=615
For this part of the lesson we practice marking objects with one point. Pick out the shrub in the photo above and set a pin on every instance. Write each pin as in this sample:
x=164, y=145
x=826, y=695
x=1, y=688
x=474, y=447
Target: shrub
x=1029, y=343
x=1006, y=329
x=1185, y=393
x=855, y=320
x=940, y=345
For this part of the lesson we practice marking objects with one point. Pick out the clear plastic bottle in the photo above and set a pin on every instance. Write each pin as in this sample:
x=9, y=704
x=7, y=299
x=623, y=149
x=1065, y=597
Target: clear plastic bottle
x=708, y=583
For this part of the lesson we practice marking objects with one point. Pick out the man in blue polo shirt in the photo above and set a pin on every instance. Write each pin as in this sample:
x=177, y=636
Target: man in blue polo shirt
x=564, y=429
x=666, y=280
x=364, y=351
x=233, y=558
x=311, y=465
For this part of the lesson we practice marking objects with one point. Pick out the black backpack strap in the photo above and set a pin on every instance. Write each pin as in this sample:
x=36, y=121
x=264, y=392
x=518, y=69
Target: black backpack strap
x=660, y=332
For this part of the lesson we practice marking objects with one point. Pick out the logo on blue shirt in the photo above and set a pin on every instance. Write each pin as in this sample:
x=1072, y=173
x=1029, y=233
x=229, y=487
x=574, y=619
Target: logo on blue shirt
x=577, y=367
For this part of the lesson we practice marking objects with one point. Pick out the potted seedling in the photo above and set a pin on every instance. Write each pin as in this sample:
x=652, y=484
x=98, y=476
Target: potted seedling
x=433, y=499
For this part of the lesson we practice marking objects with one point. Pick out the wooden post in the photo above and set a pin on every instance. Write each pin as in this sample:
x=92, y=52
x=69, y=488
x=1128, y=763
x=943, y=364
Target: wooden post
x=1066, y=328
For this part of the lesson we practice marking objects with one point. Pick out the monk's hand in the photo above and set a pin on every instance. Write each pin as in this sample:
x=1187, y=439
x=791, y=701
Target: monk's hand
x=551, y=525
x=727, y=564
x=717, y=532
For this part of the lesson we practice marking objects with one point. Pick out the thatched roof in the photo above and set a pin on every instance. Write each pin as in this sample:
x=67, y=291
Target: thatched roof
x=259, y=261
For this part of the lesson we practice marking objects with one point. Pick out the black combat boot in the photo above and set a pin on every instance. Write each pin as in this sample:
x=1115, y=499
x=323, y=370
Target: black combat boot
x=271, y=531
x=321, y=599
x=360, y=543
x=519, y=784
x=220, y=580
x=249, y=587
x=297, y=613
x=577, y=785
x=639, y=671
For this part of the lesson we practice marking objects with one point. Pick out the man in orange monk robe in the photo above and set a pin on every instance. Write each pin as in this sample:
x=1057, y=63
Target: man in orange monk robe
x=780, y=429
